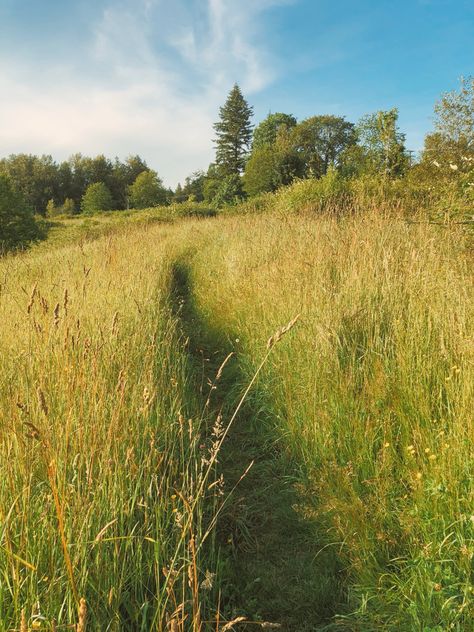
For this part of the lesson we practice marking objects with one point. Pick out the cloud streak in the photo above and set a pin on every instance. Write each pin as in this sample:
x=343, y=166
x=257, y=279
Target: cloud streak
x=149, y=79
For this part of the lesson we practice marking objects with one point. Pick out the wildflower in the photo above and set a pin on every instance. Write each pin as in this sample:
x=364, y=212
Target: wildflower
x=453, y=167
x=432, y=457
x=386, y=445
x=419, y=475
x=427, y=450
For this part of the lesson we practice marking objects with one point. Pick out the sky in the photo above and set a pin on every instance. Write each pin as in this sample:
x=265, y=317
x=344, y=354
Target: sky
x=147, y=77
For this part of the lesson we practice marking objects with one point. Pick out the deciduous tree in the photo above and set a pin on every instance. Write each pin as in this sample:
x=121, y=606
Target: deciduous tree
x=147, y=190
x=267, y=131
x=96, y=198
x=320, y=141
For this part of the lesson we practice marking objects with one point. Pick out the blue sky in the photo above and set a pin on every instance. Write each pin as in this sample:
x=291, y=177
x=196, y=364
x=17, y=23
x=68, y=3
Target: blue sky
x=147, y=76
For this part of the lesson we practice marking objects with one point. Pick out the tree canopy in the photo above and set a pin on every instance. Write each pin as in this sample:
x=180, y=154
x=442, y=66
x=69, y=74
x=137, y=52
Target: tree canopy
x=97, y=198
x=266, y=132
x=147, y=190
x=320, y=141
x=383, y=143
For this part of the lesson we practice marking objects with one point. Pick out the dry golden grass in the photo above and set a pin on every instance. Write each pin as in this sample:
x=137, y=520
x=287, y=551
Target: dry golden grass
x=99, y=438
x=105, y=491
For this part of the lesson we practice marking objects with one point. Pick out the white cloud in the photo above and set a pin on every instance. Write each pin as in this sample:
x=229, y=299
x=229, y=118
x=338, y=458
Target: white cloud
x=150, y=82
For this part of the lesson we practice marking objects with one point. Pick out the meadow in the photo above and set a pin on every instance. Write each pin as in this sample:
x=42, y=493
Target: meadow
x=242, y=422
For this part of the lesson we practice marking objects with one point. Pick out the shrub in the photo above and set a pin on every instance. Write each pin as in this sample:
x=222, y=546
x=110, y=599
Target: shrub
x=322, y=194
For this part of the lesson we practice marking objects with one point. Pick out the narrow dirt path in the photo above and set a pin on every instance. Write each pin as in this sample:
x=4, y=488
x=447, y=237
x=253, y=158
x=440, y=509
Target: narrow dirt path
x=271, y=569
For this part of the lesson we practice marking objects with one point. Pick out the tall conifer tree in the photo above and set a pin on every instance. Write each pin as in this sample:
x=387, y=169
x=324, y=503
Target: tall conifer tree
x=234, y=134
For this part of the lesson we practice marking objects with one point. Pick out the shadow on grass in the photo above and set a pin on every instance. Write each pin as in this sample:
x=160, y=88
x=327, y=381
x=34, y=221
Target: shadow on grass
x=272, y=567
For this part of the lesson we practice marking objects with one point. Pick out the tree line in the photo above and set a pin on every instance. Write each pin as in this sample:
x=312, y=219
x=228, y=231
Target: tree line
x=248, y=161
x=60, y=187
x=280, y=149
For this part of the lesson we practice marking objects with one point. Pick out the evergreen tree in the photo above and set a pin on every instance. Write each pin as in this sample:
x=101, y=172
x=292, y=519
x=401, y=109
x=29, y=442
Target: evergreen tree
x=234, y=134
x=17, y=224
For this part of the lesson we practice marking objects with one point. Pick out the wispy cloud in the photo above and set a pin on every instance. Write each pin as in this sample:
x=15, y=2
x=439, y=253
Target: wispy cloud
x=148, y=80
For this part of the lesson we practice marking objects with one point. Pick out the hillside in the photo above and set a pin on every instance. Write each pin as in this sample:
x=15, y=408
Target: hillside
x=173, y=455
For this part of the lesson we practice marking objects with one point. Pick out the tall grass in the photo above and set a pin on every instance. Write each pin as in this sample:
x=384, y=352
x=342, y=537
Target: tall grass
x=101, y=459
x=371, y=397
x=108, y=489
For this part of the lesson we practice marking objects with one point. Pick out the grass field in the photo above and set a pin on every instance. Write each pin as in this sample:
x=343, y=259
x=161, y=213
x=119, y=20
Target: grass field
x=138, y=469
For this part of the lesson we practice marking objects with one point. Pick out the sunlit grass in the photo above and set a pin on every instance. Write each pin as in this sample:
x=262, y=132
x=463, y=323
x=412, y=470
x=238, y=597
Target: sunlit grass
x=372, y=397
x=99, y=440
x=104, y=449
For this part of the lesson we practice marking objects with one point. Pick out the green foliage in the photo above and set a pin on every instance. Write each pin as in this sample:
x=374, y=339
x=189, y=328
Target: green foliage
x=446, y=168
x=96, y=198
x=211, y=184
x=256, y=204
x=40, y=179
x=51, y=209
x=448, y=153
x=34, y=177
x=147, y=190
x=193, y=188
x=270, y=167
x=17, y=224
x=383, y=144
x=266, y=132
x=320, y=141
x=455, y=116
x=68, y=207
x=262, y=170
x=326, y=193
x=234, y=134
x=219, y=189
x=229, y=191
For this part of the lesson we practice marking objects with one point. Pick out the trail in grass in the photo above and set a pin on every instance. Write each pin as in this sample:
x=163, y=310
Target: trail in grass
x=271, y=570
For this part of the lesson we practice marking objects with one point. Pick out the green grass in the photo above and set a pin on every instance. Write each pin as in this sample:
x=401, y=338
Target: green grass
x=115, y=432
x=370, y=397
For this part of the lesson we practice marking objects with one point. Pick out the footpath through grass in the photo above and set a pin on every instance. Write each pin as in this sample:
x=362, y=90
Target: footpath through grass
x=271, y=570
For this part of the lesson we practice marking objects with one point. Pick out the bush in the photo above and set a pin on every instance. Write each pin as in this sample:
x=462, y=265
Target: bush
x=254, y=205
x=229, y=191
x=17, y=224
x=325, y=193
